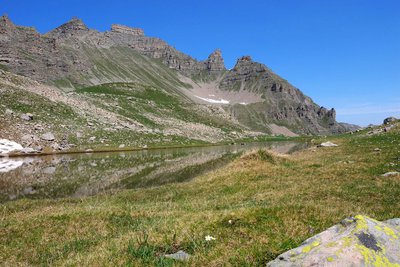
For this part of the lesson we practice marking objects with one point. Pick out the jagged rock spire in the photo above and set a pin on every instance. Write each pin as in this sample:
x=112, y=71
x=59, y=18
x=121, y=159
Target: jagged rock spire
x=215, y=62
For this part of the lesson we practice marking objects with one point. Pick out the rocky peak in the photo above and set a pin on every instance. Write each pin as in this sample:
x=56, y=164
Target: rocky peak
x=73, y=27
x=6, y=24
x=127, y=30
x=246, y=65
x=215, y=62
x=245, y=59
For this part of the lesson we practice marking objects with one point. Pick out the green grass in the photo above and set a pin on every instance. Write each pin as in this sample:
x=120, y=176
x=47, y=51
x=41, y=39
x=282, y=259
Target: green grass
x=256, y=207
x=3, y=67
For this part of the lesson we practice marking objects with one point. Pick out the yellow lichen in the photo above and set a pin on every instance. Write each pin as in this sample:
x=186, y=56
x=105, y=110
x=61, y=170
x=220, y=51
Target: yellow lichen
x=378, y=228
x=361, y=223
x=347, y=241
x=330, y=259
x=331, y=244
x=390, y=232
x=375, y=258
x=315, y=244
x=306, y=249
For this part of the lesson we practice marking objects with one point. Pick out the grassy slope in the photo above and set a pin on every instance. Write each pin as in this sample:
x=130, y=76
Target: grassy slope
x=137, y=100
x=274, y=203
x=144, y=100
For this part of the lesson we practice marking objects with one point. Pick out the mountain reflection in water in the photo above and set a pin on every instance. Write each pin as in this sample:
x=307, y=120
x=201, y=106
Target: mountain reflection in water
x=79, y=175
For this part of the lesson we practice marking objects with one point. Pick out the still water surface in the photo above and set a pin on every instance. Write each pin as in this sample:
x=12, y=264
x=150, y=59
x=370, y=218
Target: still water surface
x=79, y=175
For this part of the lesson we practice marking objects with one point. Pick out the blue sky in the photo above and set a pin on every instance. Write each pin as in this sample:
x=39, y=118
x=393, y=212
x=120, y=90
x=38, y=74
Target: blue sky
x=342, y=53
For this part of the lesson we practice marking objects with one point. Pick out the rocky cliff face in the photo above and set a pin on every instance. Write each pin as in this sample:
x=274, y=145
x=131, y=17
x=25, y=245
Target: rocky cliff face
x=74, y=56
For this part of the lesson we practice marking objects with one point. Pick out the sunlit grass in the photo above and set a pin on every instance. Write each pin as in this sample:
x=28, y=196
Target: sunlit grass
x=256, y=207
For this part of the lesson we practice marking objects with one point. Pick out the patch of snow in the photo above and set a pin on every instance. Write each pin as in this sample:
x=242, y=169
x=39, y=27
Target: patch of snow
x=211, y=95
x=209, y=100
x=7, y=146
x=243, y=103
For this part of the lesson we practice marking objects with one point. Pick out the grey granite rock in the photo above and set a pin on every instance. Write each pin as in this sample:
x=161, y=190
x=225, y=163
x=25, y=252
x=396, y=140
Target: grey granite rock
x=356, y=241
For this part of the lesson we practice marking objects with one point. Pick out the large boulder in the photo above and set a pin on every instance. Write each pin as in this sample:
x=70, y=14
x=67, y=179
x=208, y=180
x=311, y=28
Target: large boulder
x=48, y=137
x=356, y=241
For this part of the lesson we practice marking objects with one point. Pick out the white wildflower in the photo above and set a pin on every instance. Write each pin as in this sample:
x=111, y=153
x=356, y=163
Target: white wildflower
x=209, y=238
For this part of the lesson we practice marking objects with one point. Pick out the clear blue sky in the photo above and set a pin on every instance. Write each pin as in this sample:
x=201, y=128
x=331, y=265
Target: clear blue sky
x=343, y=53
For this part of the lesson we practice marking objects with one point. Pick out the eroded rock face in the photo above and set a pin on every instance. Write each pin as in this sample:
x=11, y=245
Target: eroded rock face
x=356, y=241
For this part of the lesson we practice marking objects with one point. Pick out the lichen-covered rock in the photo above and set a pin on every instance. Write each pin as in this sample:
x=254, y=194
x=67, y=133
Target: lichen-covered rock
x=356, y=241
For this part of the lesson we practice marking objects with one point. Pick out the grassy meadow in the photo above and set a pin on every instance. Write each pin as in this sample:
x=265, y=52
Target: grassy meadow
x=256, y=207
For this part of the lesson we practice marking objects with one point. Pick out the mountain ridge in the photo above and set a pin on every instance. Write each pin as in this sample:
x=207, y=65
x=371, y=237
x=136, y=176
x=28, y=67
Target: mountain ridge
x=72, y=57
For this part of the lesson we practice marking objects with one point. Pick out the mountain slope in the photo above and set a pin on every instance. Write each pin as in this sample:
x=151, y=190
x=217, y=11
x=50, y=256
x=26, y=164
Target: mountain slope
x=107, y=68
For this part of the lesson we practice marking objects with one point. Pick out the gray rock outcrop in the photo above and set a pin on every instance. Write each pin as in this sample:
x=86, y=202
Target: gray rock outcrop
x=48, y=137
x=356, y=241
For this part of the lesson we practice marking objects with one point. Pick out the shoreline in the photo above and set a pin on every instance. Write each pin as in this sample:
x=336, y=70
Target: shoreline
x=131, y=149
